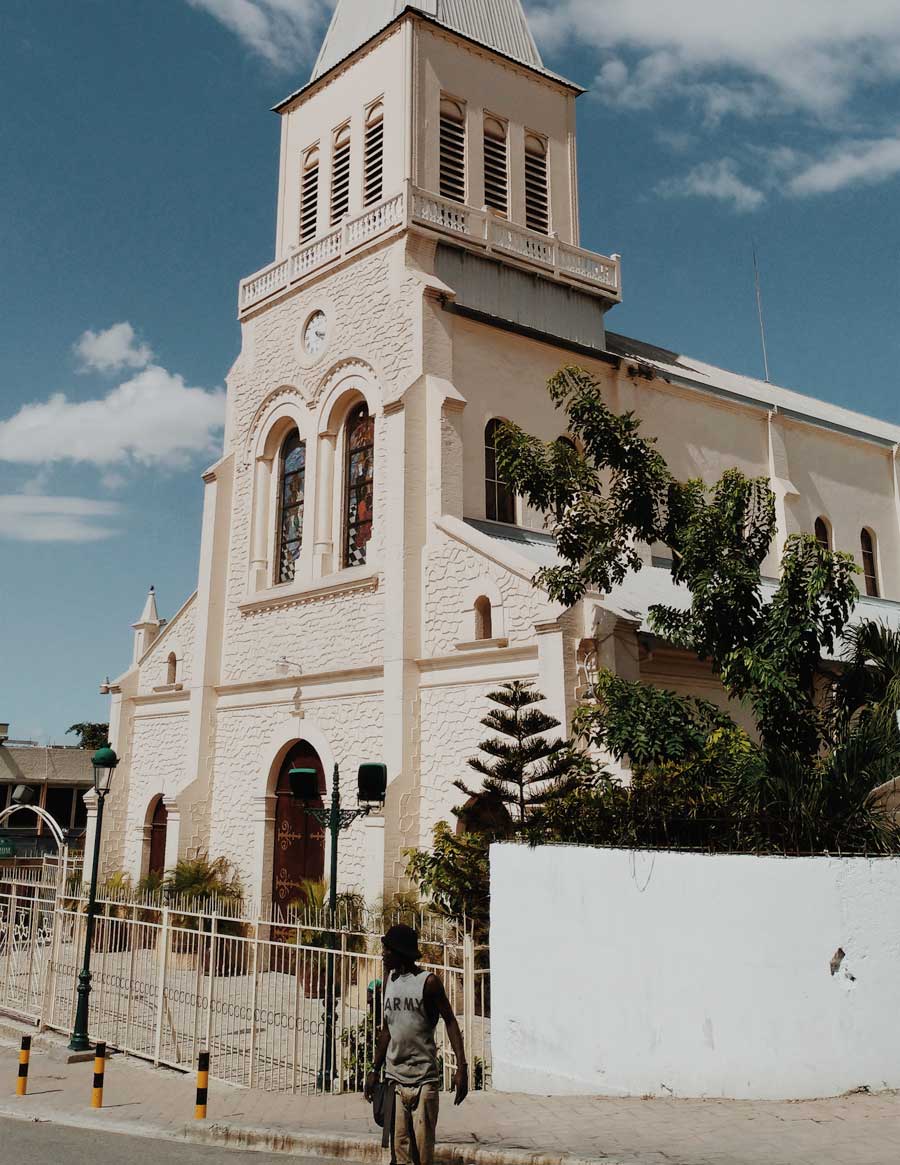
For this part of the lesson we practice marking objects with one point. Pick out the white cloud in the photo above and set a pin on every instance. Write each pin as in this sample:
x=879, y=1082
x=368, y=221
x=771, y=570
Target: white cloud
x=284, y=32
x=32, y=518
x=153, y=419
x=855, y=163
x=804, y=54
x=112, y=350
x=718, y=180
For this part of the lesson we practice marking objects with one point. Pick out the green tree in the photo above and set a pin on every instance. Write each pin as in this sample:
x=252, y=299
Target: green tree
x=616, y=492
x=454, y=876
x=93, y=736
x=526, y=769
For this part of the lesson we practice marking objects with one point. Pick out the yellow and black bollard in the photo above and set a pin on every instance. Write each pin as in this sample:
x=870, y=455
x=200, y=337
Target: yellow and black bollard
x=24, y=1058
x=202, y=1087
x=99, y=1072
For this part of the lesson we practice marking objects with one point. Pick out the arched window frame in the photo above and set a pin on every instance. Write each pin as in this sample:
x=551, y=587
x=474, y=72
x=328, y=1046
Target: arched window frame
x=290, y=508
x=868, y=545
x=358, y=443
x=172, y=669
x=310, y=170
x=822, y=532
x=452, y=149
x=281, y=414
x=373, y=154
x=500, y=502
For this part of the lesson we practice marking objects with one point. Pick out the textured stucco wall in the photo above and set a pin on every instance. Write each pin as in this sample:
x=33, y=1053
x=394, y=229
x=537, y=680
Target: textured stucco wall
x=452, y=574
x=178, y=638
x=158, y=756
x=247, y=741
x=693, y=975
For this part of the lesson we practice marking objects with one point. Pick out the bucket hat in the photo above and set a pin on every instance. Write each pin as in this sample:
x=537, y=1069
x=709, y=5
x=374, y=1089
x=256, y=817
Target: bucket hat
x=403, y=941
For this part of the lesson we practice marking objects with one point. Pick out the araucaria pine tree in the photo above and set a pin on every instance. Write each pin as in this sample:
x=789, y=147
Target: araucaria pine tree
x=526, y=769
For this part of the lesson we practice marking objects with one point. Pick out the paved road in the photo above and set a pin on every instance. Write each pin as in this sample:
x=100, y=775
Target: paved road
x=46, y=1144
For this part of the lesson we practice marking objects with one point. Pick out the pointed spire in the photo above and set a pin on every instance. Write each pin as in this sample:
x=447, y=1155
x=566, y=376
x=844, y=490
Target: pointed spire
x=150, y=615
x=498, y=24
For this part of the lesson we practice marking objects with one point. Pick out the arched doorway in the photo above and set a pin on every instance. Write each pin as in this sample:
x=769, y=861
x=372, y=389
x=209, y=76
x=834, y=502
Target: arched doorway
x=299, y=840
x=159, y=821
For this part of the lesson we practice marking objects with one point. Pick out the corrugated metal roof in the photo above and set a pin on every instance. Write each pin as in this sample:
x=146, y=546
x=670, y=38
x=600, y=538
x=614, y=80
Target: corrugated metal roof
x=52, y=766
x=687, y=370
x=499, y=24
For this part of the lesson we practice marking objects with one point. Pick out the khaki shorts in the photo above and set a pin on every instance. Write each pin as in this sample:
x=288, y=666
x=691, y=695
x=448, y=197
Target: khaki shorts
x=415, y=1122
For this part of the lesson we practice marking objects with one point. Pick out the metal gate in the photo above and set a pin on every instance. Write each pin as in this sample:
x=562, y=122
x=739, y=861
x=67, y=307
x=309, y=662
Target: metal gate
x=27, y=908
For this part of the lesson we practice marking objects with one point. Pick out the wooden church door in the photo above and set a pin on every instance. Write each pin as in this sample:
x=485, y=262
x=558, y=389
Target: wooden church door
x=158, y=826
x=299, y=839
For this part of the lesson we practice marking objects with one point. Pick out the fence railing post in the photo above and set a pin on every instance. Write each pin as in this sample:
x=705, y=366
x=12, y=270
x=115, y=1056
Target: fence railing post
x=213, y=958
x=161, y=965
x=48, y=990
x=468, y=996
x=254, y=1005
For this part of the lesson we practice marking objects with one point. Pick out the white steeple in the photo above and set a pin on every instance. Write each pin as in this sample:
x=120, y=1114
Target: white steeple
x=147, y=627
x=499, y=24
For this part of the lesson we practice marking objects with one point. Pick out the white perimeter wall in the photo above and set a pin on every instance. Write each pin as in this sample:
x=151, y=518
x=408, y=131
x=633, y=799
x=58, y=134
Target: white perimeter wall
x=631, y=973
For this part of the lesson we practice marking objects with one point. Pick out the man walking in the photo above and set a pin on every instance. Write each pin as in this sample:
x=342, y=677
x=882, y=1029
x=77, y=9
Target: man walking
x=414, y=1001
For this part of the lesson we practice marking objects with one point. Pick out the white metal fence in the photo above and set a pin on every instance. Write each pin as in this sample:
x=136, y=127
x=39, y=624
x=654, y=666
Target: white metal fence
x=271, y=999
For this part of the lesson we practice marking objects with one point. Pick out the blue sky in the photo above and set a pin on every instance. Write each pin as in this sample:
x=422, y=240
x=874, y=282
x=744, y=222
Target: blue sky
x=138, y=187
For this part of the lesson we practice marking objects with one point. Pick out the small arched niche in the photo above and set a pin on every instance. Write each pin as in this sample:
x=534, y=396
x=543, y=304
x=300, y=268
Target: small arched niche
x=484, y=618
x=172, y=669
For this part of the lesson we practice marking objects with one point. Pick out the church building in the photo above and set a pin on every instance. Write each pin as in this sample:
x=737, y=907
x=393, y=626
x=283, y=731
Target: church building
x=365, y=575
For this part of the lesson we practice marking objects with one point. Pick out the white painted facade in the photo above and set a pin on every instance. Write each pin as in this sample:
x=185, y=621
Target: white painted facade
x=693, y=975
x=381, y=661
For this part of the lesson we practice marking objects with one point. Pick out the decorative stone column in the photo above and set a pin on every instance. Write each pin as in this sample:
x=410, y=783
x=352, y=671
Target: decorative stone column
x=323, y=550
x=259, y=565
x=262, y=831
x=173, y=832
x=91, y=800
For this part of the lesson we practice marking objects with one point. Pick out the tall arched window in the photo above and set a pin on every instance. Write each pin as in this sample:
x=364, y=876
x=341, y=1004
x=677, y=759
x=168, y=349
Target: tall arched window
x=360, y=497
x=373, y=166
x=496, y=166
x=309, y=195
x=453, y=150
x=537, y=186
x=870, y=565
x=340, y=175
x=484, y=622
x=291, y=505
x=500, y=502
x=171, y=668
x=823, y=534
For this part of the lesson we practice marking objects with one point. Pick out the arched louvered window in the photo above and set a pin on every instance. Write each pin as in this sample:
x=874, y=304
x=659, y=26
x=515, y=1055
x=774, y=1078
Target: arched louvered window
x=292, y=496
x=360, y=496
x=453, y=150
x=484, y=623
x=500, y=502
x=823, y=534
x=309, y=195
x=870, y=563
x=496, y=166
x=537, y=187
x=373, y=166
x=340, y=175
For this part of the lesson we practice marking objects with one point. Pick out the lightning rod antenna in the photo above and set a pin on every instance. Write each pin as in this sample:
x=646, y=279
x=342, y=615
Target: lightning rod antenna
x=759, y=308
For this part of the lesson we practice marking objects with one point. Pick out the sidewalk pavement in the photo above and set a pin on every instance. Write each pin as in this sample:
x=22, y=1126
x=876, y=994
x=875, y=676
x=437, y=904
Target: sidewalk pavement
x=489, y=1129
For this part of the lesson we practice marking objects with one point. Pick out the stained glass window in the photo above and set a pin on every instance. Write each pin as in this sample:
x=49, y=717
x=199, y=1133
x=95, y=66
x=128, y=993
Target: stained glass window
x=293, y=490
x=360, y=484
x=500, y=504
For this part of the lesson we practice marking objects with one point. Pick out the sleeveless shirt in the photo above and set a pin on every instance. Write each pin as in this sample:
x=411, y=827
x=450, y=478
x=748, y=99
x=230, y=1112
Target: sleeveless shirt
x=412, y=1053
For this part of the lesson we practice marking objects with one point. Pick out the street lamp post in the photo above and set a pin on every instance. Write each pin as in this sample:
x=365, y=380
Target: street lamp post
x=104, y=762
x=371, y=793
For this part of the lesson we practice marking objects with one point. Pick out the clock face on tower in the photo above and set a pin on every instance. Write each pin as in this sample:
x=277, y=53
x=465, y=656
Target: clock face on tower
x=315, y=333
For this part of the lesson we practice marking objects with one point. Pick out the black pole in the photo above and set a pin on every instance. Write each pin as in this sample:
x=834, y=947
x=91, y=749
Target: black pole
x=334, y=825
x=79, y=1041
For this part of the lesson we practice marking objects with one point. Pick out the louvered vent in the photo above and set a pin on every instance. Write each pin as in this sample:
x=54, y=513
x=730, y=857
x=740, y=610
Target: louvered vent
x=537, y=194
x=453, y=151
x=340, y=176
x=309, y=196
x=496, y=166
x=373, y=179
